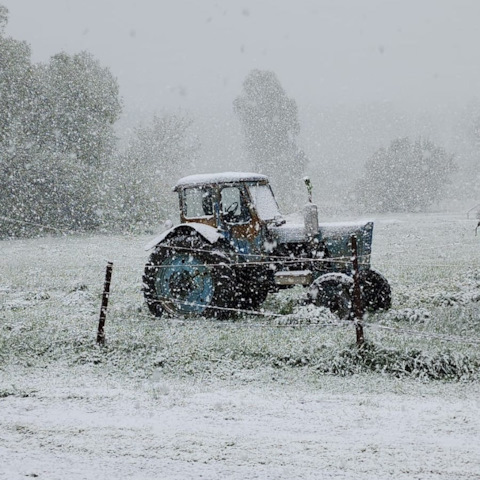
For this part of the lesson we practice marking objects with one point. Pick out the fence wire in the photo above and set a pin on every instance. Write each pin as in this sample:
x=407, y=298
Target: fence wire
x=272, y=260
x=268, y=259
x=296, y=322
x=33, y=224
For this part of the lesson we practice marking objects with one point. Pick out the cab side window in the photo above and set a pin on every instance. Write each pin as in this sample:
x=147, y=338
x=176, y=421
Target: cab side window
x=233, y=206
x=198, y=202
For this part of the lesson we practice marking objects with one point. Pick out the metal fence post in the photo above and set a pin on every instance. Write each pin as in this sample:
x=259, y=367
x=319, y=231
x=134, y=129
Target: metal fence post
x=357, y=294
x=103, y=309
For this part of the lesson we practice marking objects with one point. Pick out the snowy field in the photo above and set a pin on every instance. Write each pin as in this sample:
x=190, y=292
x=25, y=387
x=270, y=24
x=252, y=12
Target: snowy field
x=270, y=397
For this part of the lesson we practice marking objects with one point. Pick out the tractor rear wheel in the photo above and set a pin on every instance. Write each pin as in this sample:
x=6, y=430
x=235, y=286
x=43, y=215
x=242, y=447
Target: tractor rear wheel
x=334, y=291
x=252, y=288
x=185, y=277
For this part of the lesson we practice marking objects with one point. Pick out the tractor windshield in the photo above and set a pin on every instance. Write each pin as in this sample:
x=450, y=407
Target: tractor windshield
x=264, y=201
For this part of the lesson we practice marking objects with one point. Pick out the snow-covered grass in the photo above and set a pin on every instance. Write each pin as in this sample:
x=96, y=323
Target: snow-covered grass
x=275, y=396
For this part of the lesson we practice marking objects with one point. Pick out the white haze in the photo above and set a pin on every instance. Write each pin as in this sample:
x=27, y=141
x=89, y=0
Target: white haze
x=362, y=73
x=191, y=54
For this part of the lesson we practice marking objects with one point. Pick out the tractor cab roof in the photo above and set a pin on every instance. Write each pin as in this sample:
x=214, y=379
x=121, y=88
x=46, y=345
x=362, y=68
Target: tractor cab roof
x=218, y=178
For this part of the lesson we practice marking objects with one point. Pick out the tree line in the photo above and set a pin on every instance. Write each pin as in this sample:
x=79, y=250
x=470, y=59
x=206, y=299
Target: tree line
x=61, y=167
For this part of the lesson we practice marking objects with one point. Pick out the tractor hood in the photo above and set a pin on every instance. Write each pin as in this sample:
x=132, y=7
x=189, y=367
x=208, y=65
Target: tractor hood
x=335, y=236
x=293, y=231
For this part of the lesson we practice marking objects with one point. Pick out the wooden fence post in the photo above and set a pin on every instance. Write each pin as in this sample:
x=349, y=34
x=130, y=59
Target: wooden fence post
x=103, y=309
x=357, y=294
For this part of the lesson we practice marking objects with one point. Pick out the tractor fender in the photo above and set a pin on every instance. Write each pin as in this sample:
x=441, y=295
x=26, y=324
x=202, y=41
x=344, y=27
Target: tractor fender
x=210, y=234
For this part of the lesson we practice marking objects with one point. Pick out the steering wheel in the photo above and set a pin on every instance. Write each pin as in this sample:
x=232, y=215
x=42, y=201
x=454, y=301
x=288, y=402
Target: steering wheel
x=229, y=212
x=232, y=208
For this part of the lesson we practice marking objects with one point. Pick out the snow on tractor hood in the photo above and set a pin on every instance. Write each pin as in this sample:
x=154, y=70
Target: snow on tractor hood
x=293, y=230
x=344, y=228
x=209, y=233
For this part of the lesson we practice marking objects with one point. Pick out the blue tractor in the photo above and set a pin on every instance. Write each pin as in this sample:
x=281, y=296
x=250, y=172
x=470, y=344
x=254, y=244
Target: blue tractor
x=232, y=247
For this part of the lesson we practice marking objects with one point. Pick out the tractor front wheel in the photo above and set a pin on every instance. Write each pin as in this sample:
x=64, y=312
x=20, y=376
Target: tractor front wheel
x=376, y=291
x=333, y=291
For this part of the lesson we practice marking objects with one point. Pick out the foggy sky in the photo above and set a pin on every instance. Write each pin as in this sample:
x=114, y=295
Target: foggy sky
x=194, y=54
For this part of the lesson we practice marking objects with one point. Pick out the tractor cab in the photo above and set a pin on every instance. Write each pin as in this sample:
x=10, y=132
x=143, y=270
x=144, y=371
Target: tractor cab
x=239, y=205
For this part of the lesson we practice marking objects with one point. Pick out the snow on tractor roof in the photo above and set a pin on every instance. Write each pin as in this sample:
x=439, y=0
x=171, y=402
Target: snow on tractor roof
x=225, y=177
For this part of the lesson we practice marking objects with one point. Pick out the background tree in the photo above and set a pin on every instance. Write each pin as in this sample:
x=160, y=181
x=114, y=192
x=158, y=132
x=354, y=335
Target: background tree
x=17, y=86
x=270, y=124
x=140, y=179
x=46, y=193
x=471, y=123
x=56, y=129
x=405, y=177
x=465, y=139
x=80, y=103
x=3, y=18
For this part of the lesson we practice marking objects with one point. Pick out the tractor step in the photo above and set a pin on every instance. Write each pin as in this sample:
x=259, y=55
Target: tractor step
x=294, y=277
